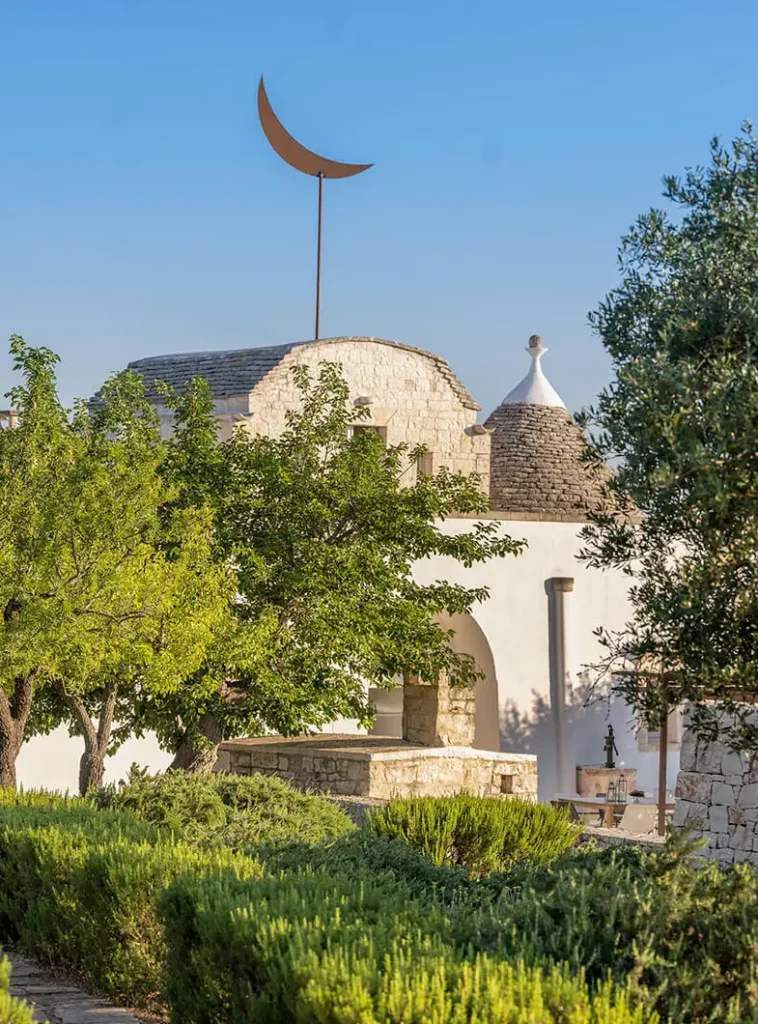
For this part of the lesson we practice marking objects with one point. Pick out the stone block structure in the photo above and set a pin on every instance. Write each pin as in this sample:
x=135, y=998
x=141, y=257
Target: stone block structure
x=537, y=463
x=434, y=757
x=380, y=768
x=717, y=793
x=409, y=394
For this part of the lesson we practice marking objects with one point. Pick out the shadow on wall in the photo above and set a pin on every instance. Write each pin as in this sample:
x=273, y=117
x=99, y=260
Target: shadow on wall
x=588, y=713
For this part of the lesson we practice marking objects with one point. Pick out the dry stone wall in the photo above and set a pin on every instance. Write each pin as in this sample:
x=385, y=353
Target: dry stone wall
x=437, y=714
x=717, y=793
x=414, y=395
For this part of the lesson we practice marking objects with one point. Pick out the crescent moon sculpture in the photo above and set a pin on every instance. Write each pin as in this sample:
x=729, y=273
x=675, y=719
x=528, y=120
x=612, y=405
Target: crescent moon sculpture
x=292, y=152
x=302, y=159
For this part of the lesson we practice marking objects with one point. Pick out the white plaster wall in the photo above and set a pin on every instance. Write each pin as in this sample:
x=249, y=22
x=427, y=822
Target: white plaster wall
x=52, y=762
x=516, y=624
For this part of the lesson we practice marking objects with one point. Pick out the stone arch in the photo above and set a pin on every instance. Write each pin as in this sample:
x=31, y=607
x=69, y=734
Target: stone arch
x=468, y=638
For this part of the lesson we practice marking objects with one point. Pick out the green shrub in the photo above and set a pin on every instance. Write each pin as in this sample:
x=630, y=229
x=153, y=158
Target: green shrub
x=364, y=854
x=72, y=814
x=684, y=934
x=228, y=810
x=86, y=898
x=321, y=949
x=12, y=1011
x=484, y=834
x=365, y=928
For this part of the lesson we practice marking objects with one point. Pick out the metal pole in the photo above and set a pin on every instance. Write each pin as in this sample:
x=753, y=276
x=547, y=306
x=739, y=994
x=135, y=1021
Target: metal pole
x=663, y=739
x=318, y=251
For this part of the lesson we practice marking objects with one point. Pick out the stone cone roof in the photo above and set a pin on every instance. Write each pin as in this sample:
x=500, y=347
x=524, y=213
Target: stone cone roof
x=536, y=461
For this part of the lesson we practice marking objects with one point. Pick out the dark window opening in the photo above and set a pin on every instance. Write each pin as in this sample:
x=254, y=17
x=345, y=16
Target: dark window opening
x=506, y=784
x=425, y=464
x=366, y=429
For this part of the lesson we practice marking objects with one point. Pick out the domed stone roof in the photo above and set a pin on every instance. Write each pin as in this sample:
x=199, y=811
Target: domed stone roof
x=536, y=464
x=237, y=371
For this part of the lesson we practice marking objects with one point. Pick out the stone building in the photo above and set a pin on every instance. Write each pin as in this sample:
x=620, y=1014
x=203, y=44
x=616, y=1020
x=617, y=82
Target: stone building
x=434, y=755
x=534, y=638
x=410, y=395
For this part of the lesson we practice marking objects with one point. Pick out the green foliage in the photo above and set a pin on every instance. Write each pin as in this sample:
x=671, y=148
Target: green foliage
x=482, y=834
x=317, y=948
x=365, y=854
x=679, y=419
x=324, y=534
x=227, y=810
x=364, y=928
x=12, y=1011
x=79, y=887
x=107, y=591
x=681, y=934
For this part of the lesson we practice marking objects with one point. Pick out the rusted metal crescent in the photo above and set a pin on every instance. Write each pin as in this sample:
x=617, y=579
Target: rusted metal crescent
x=293, y=153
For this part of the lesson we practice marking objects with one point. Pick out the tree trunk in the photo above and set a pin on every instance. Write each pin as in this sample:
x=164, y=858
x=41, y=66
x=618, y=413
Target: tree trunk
x=91, y=770
x=14, y=714
x=92, y=763
x=200, y=757
x=8, y=755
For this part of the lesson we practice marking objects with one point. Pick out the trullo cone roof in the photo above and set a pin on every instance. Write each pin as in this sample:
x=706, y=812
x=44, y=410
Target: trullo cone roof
x=536, y=464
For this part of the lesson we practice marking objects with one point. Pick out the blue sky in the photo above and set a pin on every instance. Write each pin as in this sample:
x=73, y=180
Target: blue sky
x=142, y=211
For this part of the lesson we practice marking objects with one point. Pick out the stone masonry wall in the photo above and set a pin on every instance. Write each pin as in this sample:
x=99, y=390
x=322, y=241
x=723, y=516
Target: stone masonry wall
x=717, y=792
x=380, y=768
x=537, y=463
x=411, y=397
x=439, y=715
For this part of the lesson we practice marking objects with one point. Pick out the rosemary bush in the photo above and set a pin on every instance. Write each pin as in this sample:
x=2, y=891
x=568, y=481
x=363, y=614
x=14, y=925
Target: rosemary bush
x=227, y=810
x=483, y=834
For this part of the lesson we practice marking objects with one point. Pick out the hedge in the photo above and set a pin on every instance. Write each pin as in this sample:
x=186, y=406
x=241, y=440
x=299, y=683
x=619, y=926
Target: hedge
x=319, y=949
x=78, y=887
x=365, y=929
x=92, y=889
x=682, y=933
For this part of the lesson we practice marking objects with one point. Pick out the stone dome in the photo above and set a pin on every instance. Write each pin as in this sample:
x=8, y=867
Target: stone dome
x=536, y=464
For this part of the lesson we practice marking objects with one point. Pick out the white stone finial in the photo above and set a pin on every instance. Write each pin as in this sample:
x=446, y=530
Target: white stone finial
x=535, y=388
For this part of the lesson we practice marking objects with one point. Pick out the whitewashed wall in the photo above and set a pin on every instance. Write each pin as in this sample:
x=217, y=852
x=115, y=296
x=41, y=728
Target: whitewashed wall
x=52, y=762
x=515, y=622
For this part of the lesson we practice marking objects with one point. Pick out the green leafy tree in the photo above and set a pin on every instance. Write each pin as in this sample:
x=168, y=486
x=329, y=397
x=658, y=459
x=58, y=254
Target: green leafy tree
x=32, y=457
x=112, y=590
x=323, y=535
x=680, y=418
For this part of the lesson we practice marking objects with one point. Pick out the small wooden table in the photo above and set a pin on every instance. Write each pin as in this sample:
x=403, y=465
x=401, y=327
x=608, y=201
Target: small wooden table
x=600, y=803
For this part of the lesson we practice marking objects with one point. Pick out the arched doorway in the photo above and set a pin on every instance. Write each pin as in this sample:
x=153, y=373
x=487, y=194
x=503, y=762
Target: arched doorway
x=468, y=639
